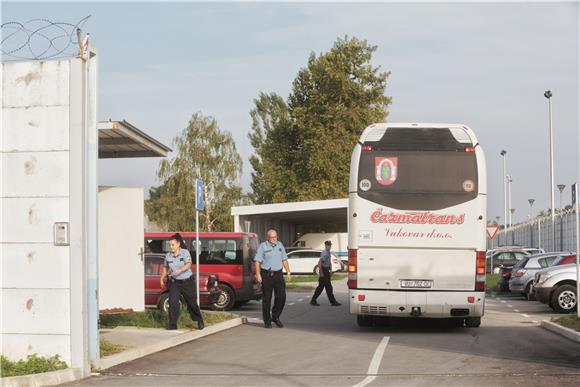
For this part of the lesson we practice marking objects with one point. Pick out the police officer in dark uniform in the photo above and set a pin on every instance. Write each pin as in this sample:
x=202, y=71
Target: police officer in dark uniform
x=269, y=260
x=177, y=268
x=324, y=276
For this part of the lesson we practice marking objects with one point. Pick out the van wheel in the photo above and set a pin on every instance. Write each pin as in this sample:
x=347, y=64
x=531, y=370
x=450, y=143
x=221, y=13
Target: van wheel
x=473, y=322
x=564, y=299
x=529, y=293
x=163, y=303
x=364, y=321
x=226, y=299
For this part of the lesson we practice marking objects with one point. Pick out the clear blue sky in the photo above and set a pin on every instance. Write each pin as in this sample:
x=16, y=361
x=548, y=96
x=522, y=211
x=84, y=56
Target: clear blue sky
x=482, y=64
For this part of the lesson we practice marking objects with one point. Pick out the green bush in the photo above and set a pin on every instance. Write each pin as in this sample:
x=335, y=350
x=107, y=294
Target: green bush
x=159, y=319
x=32, y=365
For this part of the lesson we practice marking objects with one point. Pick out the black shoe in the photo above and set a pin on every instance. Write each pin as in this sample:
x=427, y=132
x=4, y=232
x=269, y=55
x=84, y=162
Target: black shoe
x=314, y=303
x=171, y=328
x=278, y=323
x=267, y=325
x=336, y=304
x=200, y=325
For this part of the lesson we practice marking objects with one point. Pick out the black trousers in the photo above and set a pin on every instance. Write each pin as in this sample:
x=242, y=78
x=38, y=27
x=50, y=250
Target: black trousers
x=185, y=288
x=278, y=286
x=324, y=283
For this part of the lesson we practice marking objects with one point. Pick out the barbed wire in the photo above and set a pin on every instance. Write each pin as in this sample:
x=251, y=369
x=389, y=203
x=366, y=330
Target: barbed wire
x=541, y=218
x=39, y=39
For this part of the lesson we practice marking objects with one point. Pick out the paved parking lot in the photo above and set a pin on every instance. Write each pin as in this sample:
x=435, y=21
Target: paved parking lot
x=323, y=346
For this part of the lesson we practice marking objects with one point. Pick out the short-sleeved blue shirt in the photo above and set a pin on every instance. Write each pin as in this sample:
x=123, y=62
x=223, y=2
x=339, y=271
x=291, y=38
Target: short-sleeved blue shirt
x=174, y=262
x=325, y=259
x=271, y=257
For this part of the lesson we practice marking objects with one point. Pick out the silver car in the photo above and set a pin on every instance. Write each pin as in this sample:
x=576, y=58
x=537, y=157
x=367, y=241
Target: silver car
x=522, y=275
x=556, y=286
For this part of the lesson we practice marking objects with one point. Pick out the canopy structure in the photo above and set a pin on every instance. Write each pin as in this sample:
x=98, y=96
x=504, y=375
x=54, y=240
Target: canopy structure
x=286, y=217
x=120, y=139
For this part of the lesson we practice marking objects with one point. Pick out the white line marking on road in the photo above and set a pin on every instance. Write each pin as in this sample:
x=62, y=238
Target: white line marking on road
x=300, y=299
x=503, y=301
x=255, y=320
x=510, y=306
x=525, y=315
x=535, y=321
x=517, y=310
x=375, y=362
x=291, y=303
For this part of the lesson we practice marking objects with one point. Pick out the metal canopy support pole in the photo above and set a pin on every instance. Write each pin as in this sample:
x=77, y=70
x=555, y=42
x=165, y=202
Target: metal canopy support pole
x=197, y=255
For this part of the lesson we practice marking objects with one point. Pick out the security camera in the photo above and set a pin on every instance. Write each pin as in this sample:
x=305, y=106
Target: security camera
x=503, y=152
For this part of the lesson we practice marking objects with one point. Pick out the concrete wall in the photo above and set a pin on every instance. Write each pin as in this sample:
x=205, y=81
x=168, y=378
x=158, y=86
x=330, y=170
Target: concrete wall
x=44, y=132
x=121, y=276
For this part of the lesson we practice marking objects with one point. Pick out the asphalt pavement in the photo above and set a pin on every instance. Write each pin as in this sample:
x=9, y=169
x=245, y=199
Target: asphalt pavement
x=324, y=346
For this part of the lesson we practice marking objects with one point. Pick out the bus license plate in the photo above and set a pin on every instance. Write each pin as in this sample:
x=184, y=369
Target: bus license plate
x=416, y=284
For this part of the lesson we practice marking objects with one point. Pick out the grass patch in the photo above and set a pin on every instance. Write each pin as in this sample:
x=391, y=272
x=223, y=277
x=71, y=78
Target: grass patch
x=159, y=319
x=32, y=365
x=107, y=348
x=299, y=286
x=571, y=321
x=492, y=281
x=314, y=278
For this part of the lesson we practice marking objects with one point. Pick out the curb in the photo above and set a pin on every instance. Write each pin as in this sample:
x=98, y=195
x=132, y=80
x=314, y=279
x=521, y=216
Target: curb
x=136, y=353
x=568, y=333
x=43, y=379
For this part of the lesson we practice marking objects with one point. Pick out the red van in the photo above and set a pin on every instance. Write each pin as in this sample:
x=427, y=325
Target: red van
x=157, y=297
x=230, y=255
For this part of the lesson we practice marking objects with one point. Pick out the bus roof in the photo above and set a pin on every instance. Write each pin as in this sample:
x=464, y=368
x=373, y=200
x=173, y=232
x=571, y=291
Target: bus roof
x=376, y=131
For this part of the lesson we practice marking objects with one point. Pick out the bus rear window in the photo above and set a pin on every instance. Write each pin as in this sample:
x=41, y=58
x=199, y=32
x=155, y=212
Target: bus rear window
x=418, y=180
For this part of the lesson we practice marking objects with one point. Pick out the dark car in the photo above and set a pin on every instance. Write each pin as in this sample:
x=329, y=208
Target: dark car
x=157, y=297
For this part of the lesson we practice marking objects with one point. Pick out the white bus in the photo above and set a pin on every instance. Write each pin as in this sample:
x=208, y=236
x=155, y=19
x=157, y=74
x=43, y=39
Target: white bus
x=416, y=223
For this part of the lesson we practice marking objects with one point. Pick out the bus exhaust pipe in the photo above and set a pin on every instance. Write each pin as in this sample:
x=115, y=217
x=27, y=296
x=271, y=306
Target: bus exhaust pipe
x=416, y=311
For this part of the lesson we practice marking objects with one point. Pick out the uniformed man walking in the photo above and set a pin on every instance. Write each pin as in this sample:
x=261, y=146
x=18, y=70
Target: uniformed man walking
x=177, y=268
x=324, y=276
x=270, y=258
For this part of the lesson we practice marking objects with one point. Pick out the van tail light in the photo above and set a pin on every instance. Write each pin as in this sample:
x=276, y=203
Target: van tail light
x=367, y=148
x=480, y=271
x=352, y=259
x=521, y=272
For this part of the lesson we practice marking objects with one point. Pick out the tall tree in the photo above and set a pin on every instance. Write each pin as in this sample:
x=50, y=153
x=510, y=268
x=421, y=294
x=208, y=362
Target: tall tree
x=202, y=151
x=307, y=155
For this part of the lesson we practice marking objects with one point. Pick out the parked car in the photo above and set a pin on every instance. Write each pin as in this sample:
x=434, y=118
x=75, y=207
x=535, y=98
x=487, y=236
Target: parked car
x=229, y=255
x=306, y=261
x=522, y=274
x=562, y=259
x=505, y=257
x=556, y=286
x=157, y=297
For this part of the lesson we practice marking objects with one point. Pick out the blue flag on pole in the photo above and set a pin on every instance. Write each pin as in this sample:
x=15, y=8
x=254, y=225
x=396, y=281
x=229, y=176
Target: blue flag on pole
x=199, y=197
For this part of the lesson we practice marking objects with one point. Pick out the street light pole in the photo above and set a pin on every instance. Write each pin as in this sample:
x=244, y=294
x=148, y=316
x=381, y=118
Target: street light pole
x=505, y=211
x=512, y=210
x=548, y=95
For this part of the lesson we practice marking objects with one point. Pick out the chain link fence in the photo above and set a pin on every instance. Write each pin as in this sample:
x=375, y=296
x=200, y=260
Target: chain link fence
x=538, y=233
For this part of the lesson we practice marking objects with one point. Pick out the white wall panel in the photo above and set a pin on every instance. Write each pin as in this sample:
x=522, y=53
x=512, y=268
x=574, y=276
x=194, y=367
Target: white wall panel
x=19, y=346
x=30, y=174
x=32, y=220
x=121, y=270
x=35, y=266
x=35, y=83
x=35, y=128
x=36, y=311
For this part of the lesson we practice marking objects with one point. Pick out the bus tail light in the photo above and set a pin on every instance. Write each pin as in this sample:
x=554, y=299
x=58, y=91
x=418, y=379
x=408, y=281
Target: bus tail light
x=352, y=259
x=469, y=149
x=367, y=148
x=480, y=271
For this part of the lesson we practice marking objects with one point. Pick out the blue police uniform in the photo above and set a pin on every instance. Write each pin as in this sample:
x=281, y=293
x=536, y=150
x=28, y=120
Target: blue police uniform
x=271, y=257
x=181, y=285
x=324, y=281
